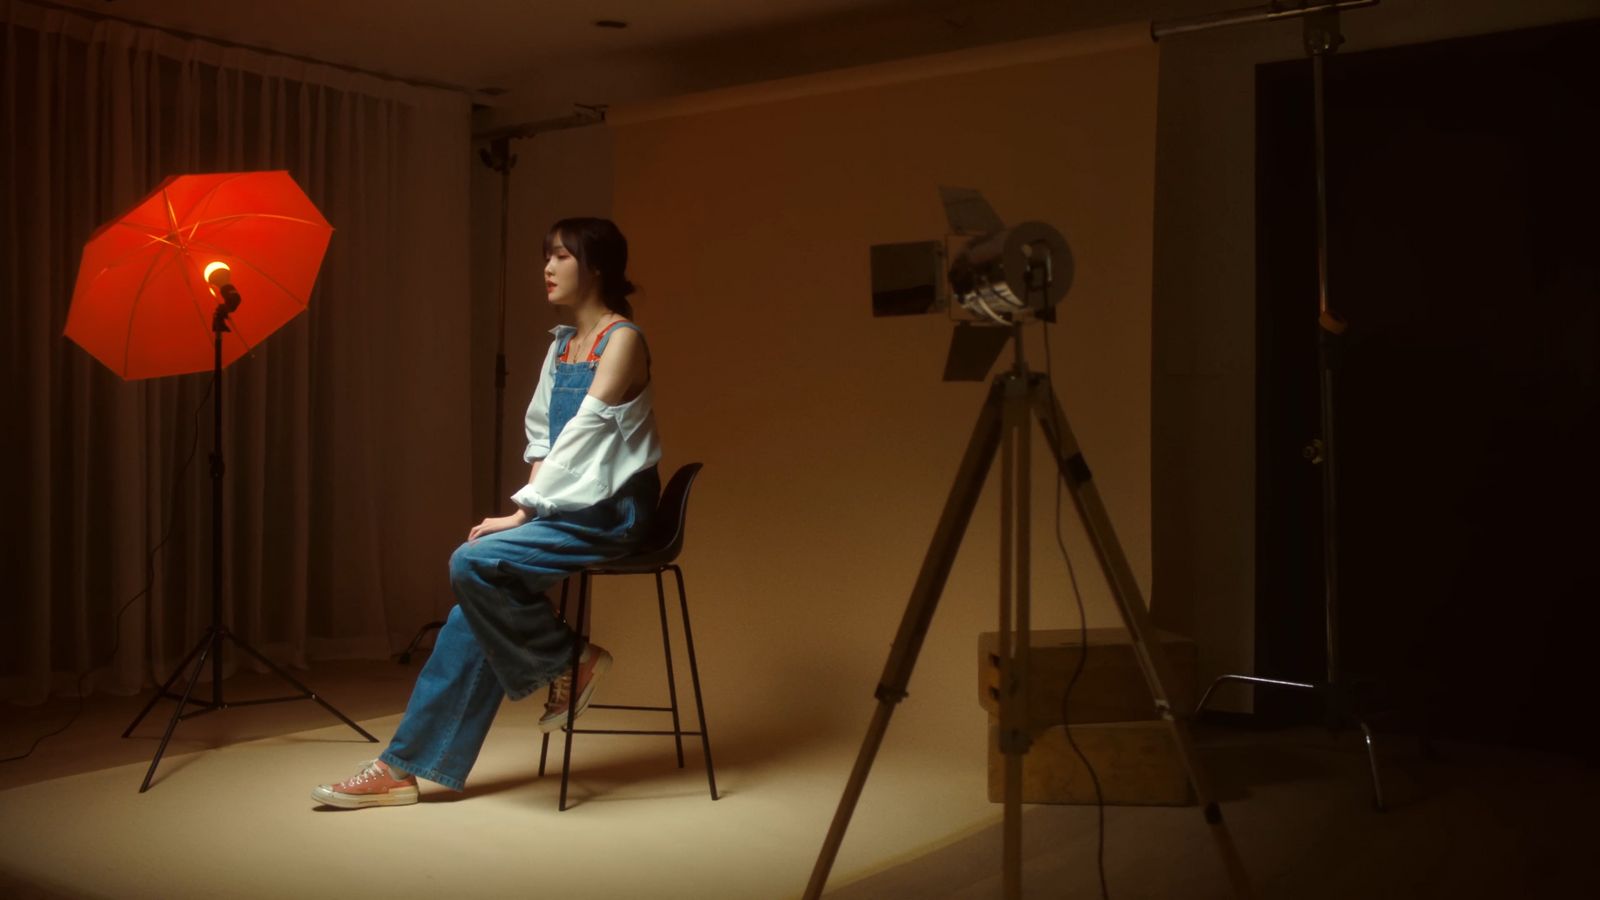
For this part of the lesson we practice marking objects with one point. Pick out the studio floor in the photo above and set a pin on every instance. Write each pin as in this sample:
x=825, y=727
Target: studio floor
x=229, y=815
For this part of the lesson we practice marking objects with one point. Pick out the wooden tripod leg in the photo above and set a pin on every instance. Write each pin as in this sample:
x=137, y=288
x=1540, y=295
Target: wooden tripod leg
x=918, y=616
x=1015, y=622
x=1135, y=616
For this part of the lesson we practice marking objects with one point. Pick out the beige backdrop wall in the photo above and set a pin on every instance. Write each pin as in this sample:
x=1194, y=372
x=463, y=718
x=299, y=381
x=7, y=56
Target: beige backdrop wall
x=829, y=440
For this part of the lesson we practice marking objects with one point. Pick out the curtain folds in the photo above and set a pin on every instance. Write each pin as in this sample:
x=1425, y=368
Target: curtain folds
x=346, y=433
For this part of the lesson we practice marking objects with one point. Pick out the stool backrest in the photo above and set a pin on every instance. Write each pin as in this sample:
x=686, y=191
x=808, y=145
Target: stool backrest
x=672, y=515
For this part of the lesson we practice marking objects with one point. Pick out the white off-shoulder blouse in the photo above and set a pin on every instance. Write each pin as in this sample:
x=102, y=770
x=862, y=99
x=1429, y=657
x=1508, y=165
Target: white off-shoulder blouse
x=596, y=453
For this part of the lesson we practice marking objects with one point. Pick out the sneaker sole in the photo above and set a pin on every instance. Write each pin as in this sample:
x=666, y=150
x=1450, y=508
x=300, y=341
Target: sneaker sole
x=555, y=722
x=404, y=796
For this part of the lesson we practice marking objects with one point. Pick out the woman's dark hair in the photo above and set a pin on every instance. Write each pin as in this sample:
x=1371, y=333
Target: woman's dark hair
x=601, y=251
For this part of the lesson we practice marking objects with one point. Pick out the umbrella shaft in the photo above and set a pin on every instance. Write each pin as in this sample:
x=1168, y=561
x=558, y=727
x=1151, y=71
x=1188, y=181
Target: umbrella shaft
x=219, y=325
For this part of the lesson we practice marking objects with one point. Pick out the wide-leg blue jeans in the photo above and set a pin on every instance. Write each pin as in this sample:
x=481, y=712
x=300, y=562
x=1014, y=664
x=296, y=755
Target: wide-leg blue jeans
x=503, y=637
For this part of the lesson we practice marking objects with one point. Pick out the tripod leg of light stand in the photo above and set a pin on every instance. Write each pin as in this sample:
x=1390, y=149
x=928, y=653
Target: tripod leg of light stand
x=1130, y=603
x=918, y=616
x=166, y=689
x=1015, y=516
x=208, y=645
x=1247, y=679
x=416, y=641
x=1372, y=763
x=1341, y=707
x=211, y=644
x=244, y=645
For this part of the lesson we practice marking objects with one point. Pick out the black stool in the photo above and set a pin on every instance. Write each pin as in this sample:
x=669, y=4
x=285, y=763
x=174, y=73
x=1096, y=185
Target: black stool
x=658, y=554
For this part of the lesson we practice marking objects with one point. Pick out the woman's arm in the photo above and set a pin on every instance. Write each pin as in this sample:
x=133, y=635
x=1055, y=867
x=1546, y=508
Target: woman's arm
x=502, y=523
x=536, y=425
x=624, y=369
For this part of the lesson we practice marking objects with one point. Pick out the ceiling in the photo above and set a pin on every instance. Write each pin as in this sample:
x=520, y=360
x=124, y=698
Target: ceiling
x=548, y=54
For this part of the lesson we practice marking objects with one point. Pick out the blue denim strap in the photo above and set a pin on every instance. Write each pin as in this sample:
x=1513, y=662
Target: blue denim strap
x=605, y=337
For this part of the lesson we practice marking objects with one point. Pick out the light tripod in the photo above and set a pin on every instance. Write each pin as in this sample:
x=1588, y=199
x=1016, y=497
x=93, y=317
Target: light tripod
x=1322, y=38
x=1014, y=397
x=210, y=644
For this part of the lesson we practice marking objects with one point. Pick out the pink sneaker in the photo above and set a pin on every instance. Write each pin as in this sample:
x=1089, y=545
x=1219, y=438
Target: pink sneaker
x=374, y=785
x=591, y=665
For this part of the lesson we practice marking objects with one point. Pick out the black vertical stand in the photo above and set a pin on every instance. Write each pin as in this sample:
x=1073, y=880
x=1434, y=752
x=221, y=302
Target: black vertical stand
x=498, y=157
x=1322, y=38
x=210, y=644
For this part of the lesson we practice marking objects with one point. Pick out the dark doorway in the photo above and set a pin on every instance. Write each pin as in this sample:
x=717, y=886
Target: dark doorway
x=1464, y=219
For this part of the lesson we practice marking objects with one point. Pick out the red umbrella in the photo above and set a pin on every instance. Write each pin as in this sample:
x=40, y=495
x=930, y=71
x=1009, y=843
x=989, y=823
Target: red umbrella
x=142, y=305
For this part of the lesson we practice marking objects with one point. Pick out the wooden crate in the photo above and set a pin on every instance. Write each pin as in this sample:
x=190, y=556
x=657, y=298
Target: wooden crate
x=1112, y=687
x=1137, y=764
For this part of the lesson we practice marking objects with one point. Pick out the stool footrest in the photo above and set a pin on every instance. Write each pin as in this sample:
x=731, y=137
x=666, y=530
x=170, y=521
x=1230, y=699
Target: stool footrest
x=647, y=569
x=643, y=708
x=630, y=731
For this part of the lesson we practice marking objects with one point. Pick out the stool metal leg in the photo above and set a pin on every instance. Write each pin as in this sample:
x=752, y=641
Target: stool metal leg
x=572, y=693
x=544, y=741
x=672, y=684
x=694, y=675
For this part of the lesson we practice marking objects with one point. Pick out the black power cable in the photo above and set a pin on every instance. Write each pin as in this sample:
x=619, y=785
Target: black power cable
x=149, y=580
x=1083, y=637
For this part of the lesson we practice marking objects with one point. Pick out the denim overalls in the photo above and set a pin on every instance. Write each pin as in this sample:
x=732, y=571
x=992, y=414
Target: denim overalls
x=503, y=638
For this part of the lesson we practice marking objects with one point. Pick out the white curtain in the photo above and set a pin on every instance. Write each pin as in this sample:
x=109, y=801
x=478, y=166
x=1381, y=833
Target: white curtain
x=346, y=432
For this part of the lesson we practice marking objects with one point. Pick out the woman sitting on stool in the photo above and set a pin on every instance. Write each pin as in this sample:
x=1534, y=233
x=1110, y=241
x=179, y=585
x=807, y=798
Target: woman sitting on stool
x=590, y=498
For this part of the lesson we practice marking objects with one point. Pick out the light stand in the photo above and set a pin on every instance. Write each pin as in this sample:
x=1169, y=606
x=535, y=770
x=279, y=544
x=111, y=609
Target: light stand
x=210, y=644
x=499, y=158
x=1002, y=424
x=1322, y=38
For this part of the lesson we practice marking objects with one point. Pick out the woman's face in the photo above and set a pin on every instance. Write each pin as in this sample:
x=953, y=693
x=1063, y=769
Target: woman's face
x=562, y=277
